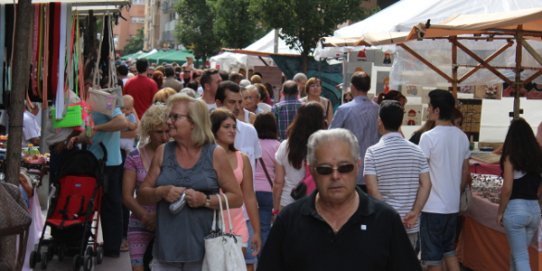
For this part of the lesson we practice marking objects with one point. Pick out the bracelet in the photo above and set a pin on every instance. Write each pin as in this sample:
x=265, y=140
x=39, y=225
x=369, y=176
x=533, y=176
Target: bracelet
x=207, y=201
x=274, y=212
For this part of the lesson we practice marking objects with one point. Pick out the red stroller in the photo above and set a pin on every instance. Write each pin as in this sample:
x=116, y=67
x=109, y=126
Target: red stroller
x=73, y=215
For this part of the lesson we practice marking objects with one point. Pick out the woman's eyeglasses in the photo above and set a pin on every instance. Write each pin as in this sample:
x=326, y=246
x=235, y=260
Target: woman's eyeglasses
x=326, y=170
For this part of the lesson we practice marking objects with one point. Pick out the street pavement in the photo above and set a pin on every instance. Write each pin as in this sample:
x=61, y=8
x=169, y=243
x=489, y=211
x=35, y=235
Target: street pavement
x=109, y=264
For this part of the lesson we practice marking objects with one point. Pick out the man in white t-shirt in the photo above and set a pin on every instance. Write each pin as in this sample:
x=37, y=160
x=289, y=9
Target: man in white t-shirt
x=31, y=126
x=446, y=148
x=228, y=95
x=396, y=170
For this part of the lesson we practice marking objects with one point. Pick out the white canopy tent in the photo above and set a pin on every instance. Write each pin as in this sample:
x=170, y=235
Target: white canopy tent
x=256, y=54
x=403, y=15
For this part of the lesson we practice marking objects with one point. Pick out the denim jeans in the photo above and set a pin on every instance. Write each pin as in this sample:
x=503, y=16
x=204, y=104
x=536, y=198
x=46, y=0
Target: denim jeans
x=265, y=205
x=521, y=219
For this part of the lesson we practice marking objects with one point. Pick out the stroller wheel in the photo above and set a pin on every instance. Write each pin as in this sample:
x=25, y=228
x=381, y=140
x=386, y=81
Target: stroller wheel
x=50, y=253
x=61, y=254
x=89, y=252
x=88, y=263
x=99, y=255
x=34, y=257
x=76, y=262
x=43, y=260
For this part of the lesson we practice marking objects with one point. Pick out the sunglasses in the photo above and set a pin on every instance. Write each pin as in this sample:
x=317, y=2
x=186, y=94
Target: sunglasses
x=326, y=170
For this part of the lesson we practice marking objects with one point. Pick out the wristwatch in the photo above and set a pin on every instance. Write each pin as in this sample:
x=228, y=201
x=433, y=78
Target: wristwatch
x=208, y=201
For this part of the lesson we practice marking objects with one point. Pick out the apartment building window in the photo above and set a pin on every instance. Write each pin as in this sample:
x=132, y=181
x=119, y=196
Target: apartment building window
x=138, y=2
x=138, y=20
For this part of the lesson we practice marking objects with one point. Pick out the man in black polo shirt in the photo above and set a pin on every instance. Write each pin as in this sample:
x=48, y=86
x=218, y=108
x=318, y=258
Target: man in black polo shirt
x=337, y=227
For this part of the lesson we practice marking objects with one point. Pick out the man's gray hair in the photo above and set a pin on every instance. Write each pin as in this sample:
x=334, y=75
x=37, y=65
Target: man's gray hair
x=299, y=76
x=337, y=134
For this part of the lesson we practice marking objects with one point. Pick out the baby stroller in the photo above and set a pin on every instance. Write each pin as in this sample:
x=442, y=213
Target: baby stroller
x=73, y=214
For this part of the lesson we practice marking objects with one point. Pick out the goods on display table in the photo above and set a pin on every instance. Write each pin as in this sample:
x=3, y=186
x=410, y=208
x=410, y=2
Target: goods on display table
x=482, y=243
x=36, y=163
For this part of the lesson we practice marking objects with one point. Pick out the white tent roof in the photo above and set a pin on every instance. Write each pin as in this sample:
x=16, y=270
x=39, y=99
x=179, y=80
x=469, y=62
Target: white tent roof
x=266, y=44
x=253, y=54
x=404, y=14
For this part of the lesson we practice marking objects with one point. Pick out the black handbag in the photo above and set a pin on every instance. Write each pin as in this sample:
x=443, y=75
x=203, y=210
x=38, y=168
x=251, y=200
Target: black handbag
x=299, y=191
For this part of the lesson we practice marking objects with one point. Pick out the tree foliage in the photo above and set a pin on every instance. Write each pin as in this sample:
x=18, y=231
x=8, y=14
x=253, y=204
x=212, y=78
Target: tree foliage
x=195, y=27
x=135, y=43
x=304, y=22
x=234, y=25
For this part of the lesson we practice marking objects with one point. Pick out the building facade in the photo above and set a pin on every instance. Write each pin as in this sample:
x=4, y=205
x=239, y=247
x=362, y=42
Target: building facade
x=125, y=29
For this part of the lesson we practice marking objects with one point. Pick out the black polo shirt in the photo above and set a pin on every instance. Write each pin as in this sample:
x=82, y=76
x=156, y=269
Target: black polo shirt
x=373, y=239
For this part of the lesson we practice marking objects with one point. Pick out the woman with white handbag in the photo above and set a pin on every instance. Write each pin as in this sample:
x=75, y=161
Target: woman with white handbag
x=223, y=124
x=184, y=178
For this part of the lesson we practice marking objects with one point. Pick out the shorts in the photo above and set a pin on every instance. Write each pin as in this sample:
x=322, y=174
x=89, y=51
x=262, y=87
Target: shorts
x=249, y=259
x=437, y=236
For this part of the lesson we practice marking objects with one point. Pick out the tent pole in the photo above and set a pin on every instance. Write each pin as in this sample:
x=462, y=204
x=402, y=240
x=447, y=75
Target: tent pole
x=518, y=84
x=454, y=66
x=345, y=65
x=484, y=63
x=488, y=59
x=531, y=51
x=426, y=62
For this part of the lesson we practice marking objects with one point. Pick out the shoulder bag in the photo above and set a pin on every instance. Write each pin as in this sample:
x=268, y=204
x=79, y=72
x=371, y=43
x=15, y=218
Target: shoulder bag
x=305, y=186
x=223, y=251
x=266, y=173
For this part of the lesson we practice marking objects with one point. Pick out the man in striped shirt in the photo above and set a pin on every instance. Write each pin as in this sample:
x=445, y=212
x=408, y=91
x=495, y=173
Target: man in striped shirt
x=396, y=170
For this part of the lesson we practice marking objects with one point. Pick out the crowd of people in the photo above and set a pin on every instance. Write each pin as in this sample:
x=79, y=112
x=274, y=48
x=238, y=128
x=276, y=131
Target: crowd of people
x=188, y=133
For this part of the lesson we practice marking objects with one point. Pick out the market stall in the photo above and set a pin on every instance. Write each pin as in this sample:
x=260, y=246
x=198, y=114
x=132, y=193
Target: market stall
x=482, y=242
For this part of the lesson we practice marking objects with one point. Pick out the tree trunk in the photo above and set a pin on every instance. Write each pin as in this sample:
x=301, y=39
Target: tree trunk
x=21, y=69
x=21, y=75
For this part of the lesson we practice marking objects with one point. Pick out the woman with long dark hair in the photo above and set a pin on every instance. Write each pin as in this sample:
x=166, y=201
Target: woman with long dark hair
x=266, y=126
x=519, y=209
x=291, y=154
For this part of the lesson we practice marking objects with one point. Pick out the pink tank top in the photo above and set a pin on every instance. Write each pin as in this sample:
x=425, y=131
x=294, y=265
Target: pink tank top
x=238, y=220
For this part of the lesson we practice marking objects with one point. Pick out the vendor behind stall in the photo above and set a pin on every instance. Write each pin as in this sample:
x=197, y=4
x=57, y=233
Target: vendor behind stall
x=31, y=125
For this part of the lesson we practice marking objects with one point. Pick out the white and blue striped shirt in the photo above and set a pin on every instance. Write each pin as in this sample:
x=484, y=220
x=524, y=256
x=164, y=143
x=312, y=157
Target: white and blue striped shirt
x=397, y=165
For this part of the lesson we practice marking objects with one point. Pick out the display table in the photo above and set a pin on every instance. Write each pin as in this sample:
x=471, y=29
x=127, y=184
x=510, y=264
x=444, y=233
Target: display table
x=482, y=243
x=484, y=168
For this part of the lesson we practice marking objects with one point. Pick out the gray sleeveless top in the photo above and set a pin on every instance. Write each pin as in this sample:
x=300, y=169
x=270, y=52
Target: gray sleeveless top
x=179, y=237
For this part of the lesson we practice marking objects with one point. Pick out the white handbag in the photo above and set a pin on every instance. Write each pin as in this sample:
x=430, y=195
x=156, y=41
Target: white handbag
x=223, y=251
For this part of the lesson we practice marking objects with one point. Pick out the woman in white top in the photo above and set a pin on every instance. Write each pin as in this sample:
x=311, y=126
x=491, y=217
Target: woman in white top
x=290, y=157
x=313, y=88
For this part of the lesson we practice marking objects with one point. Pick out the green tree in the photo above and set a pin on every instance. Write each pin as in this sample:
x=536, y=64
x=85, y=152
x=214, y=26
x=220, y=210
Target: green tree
x=304, y=22
x=234, y=25
x=135, y=43
x=195, y=28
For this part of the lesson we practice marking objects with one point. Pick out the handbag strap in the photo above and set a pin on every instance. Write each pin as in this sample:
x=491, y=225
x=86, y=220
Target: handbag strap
x=217, y=214
x=266, y=173
x=229, y=215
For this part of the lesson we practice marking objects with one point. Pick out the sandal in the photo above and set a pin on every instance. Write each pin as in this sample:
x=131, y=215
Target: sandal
x=124, y=246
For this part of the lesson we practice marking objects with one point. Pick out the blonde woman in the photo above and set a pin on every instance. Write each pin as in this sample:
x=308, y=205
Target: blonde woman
x=193, y=165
